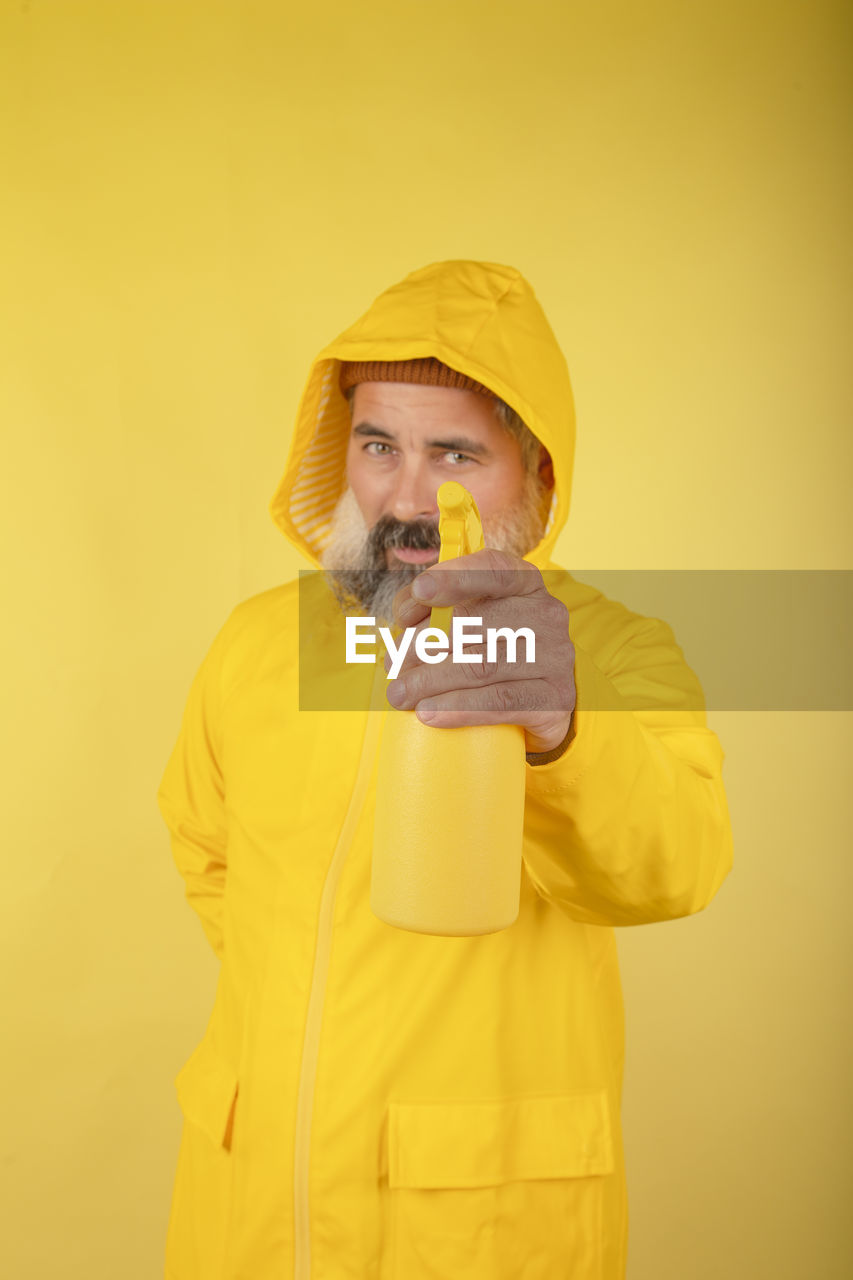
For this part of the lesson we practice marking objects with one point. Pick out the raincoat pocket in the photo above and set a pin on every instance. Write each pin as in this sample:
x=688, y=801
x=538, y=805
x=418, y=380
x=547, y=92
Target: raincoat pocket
x=499, y=1188
x=207, y=1090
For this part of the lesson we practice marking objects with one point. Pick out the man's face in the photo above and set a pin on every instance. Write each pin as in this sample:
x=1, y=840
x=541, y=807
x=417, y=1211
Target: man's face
x=405, y=441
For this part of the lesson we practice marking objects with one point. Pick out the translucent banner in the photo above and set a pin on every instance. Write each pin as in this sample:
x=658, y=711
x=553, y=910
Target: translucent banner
x=750, y=640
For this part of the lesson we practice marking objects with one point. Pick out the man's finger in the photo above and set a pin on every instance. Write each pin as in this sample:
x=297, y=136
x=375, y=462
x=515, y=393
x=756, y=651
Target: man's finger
x=410, y=659
x=512, y=702
x=484, y=575
x=408, y=612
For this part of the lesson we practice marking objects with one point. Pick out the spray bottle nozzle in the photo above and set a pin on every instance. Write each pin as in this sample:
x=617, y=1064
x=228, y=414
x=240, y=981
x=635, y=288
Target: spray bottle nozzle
x=461, y=534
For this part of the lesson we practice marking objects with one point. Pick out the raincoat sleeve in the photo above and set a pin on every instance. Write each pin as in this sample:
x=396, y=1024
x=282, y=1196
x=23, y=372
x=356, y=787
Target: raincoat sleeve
x=631, y=825
x=191, y=796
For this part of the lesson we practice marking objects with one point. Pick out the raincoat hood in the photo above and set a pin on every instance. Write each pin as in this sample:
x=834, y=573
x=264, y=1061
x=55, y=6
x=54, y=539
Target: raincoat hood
x=481, y=319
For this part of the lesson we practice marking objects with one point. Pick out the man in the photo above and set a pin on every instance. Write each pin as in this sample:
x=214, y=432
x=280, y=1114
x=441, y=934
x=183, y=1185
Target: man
x=368, y=1101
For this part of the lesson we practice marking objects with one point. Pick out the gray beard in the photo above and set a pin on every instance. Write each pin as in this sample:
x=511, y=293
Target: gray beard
x=354, y=557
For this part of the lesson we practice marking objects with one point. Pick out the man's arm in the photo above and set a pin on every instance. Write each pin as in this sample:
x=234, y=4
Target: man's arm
x=630, y=824
x=191, y=797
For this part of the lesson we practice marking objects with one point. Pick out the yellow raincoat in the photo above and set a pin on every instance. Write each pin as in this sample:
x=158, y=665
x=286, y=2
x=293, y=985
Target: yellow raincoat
x=373, y=1104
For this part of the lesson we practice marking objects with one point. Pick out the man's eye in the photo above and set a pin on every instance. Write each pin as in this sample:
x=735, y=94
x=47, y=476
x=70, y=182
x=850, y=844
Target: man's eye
x=375, y=445
x=459, y=458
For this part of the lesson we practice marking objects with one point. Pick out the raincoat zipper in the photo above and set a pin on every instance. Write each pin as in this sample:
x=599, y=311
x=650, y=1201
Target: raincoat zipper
x=314, y=1021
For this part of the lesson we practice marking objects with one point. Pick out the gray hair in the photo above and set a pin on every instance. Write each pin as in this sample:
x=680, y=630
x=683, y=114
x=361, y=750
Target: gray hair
x=516, y=426
x=511, y=422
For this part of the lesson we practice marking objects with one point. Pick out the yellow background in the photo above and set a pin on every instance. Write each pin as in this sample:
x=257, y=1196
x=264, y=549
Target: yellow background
x=196, y=197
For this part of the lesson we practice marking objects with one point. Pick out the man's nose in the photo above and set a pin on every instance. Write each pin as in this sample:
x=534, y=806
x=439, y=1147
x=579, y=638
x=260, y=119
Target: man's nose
x=414, y=493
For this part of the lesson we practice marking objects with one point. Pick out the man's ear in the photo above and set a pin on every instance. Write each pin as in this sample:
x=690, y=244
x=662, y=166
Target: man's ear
x=546, y=468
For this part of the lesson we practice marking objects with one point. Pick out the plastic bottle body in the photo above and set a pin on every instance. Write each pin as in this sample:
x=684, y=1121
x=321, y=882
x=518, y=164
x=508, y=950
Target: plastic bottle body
x=448, y=827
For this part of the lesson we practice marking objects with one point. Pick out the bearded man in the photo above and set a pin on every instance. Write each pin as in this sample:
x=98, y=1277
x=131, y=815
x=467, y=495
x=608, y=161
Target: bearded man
x=445, y=405
x=366, y=1100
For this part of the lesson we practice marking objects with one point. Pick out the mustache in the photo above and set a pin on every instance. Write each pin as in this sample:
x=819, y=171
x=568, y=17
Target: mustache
x=415, y=535
x=368, y=582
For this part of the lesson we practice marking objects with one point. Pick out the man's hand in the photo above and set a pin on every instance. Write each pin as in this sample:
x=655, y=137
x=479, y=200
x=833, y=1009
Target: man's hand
x=504, y=591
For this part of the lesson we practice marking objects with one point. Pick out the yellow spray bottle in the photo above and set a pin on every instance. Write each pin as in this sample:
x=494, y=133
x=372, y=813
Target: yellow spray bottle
x=449, y=802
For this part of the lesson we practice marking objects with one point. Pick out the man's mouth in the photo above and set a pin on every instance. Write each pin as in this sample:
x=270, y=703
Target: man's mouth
x=409, y=556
